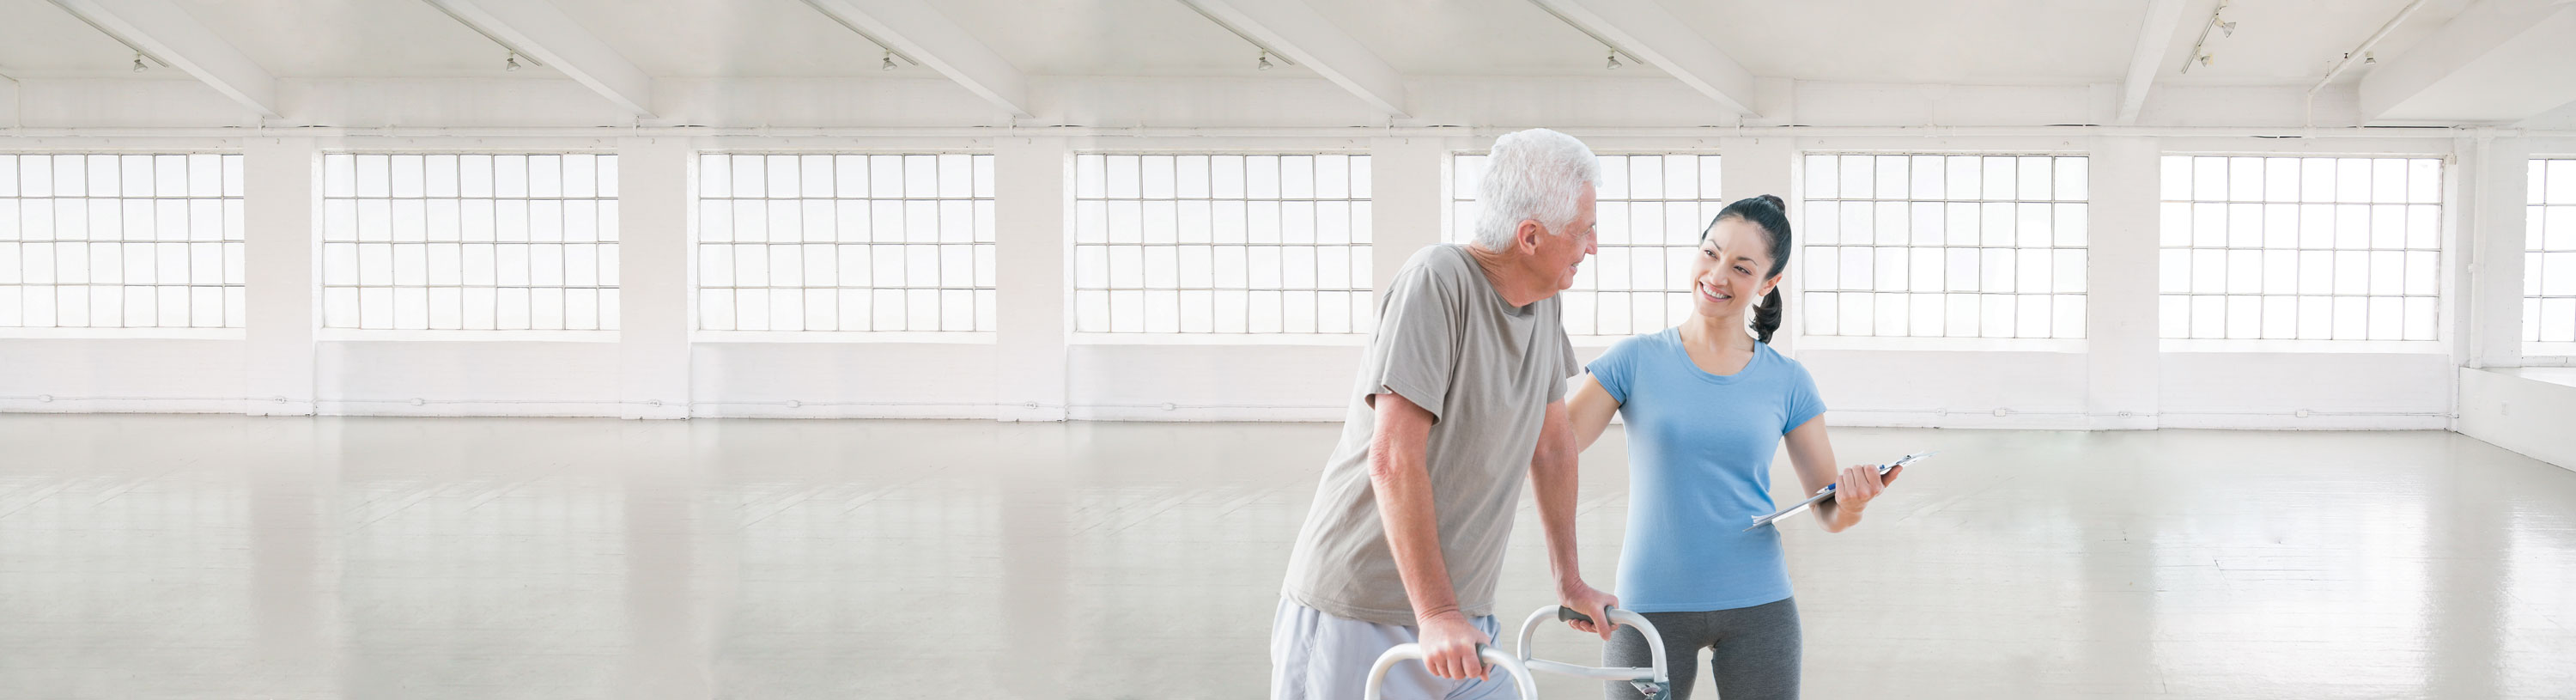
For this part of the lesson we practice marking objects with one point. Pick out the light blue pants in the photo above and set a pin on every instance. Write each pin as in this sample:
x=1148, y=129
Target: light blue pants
x=1317, y=656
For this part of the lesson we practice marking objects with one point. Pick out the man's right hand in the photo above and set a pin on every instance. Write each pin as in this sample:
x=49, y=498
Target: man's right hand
x=1450, y=645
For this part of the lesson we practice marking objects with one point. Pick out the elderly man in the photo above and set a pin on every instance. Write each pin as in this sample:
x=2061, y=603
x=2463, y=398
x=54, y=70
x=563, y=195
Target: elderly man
x=1462, y=387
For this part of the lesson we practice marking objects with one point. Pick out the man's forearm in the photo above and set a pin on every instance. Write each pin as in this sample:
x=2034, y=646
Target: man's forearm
x=1555, y=484
x=1402, y=480
x=1555, y=477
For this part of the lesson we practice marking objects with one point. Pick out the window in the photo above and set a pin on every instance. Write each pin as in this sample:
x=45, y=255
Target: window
x=1963, y=246
x=2549, y=257
x=469, y=241
x=845, y=242
x=2300, y=248
x=96, y=240
x=1652, y=208
x=1221, y=244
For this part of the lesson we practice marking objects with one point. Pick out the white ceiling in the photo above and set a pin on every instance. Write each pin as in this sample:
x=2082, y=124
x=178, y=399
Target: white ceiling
x=350, y=38
x=2294, y=42
x=728, y=38
x=1107, y=37
x=2006, y=42
x=1493, y=37
x=39, y=39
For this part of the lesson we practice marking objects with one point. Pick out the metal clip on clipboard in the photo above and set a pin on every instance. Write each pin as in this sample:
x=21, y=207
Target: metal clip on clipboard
x=1828, y=491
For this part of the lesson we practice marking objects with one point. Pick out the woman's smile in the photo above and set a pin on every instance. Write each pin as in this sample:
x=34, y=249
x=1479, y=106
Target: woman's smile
x=1712, y=295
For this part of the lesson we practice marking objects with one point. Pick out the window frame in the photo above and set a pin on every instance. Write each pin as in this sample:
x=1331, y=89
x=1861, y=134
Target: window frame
x=2446, y=245
x=373, y=146
x=2546, y=351
x=697, y=243
x=230, y=163
x=1365, y=287
x=1795, y=288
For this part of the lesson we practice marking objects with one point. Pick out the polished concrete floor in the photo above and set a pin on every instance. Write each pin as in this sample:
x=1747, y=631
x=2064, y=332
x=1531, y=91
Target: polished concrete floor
x=229, y=557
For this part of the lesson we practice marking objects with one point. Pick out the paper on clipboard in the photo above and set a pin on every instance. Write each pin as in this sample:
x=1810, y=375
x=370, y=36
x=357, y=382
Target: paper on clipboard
x=1828, y=491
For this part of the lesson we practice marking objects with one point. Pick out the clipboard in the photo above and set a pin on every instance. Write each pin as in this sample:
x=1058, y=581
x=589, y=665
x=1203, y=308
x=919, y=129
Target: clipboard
x=1828, y=491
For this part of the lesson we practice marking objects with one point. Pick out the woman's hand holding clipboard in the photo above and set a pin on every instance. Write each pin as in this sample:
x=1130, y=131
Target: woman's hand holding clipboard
x=1828, y=492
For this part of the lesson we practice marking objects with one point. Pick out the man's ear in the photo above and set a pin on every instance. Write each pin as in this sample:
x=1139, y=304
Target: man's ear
x=1529, y=234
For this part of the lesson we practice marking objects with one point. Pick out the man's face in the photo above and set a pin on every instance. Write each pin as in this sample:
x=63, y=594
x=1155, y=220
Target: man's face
x=1559, y=255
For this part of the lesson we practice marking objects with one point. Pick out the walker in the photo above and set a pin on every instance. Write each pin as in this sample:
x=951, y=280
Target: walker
x=1654, y=681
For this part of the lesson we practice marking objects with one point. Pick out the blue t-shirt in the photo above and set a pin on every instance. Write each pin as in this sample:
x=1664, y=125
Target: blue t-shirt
x=1699, y=469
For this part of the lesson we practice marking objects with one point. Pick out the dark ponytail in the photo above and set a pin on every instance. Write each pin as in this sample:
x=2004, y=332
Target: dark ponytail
x=1768, y=212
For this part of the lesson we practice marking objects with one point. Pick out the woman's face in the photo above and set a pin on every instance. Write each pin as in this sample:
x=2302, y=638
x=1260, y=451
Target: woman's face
x=1727, y=278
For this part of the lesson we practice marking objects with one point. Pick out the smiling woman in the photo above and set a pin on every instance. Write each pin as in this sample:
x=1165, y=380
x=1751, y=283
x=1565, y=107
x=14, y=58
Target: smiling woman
x=1707, y=404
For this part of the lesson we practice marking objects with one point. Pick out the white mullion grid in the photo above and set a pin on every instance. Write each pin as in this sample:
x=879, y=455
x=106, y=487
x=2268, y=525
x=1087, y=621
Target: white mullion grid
x=2300, y=248
x=1210, y=244
x=1943, y=245
x=858, y=242
x=2549, y=259
x=464, y=241
x=121, y=240
x=1652, y=208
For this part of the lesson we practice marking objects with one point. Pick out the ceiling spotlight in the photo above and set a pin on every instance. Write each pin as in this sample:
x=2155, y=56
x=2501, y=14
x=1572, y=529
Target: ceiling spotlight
x=511, y=65
x=1265, y=62
x=2227, y=28
x=2205, y=59
x=2368, y=59
x=887, y=63
x=1614, y=60
x=138, y=63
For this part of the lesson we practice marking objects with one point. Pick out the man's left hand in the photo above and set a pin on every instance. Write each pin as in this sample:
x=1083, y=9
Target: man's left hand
x=1591, y=602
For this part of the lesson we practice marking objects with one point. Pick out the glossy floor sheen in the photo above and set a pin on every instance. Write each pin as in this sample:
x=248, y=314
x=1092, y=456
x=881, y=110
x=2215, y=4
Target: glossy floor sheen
x=227, y=557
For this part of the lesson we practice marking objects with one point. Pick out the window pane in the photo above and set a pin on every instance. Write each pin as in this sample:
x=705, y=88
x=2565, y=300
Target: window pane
x=131, y=240
x=2376, y=246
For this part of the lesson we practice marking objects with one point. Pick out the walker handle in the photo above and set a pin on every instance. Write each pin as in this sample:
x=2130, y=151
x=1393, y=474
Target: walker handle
x=1492, y=656
x=1651, y=680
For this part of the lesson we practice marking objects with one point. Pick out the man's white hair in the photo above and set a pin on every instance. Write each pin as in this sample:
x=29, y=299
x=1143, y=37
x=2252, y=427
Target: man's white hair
x=1536, y=174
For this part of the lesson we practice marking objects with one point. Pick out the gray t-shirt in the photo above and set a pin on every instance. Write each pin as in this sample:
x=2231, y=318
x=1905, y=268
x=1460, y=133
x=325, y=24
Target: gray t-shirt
x=1486, y=371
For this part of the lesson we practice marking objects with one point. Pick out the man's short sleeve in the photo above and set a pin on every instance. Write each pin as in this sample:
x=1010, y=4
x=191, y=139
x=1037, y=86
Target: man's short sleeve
x=1566, y=365
x=1414, y=352
x=1615, y=368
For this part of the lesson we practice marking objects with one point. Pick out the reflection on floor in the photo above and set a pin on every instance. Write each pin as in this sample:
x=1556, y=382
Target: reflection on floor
x=219, y=557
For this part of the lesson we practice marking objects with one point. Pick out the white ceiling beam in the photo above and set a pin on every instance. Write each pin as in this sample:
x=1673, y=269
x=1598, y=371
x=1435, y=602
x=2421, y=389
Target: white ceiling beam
x=917, y=31
x=1646, y=31
x=538, y=30
x=2497, y=61
x=1297, y=32
x=160, y=28
x=2155, y=37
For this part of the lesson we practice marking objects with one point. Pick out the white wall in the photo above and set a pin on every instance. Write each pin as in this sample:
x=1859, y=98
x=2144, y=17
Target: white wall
x=2524, y=410
x=2121, y=376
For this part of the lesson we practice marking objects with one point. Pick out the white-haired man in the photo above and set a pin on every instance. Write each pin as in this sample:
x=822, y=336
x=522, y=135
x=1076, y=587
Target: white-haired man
x=1461, y=388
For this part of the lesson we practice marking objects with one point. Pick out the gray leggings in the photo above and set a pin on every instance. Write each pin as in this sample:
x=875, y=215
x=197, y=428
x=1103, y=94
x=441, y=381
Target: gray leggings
x=1753, y=651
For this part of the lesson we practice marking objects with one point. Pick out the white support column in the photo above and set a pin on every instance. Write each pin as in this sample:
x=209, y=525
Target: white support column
x=2493, y=189
x=1409, y=196
x=1032, y=198
x=653, y=209
x=2122, y=350
x=1767, y=165
x=280, y=190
